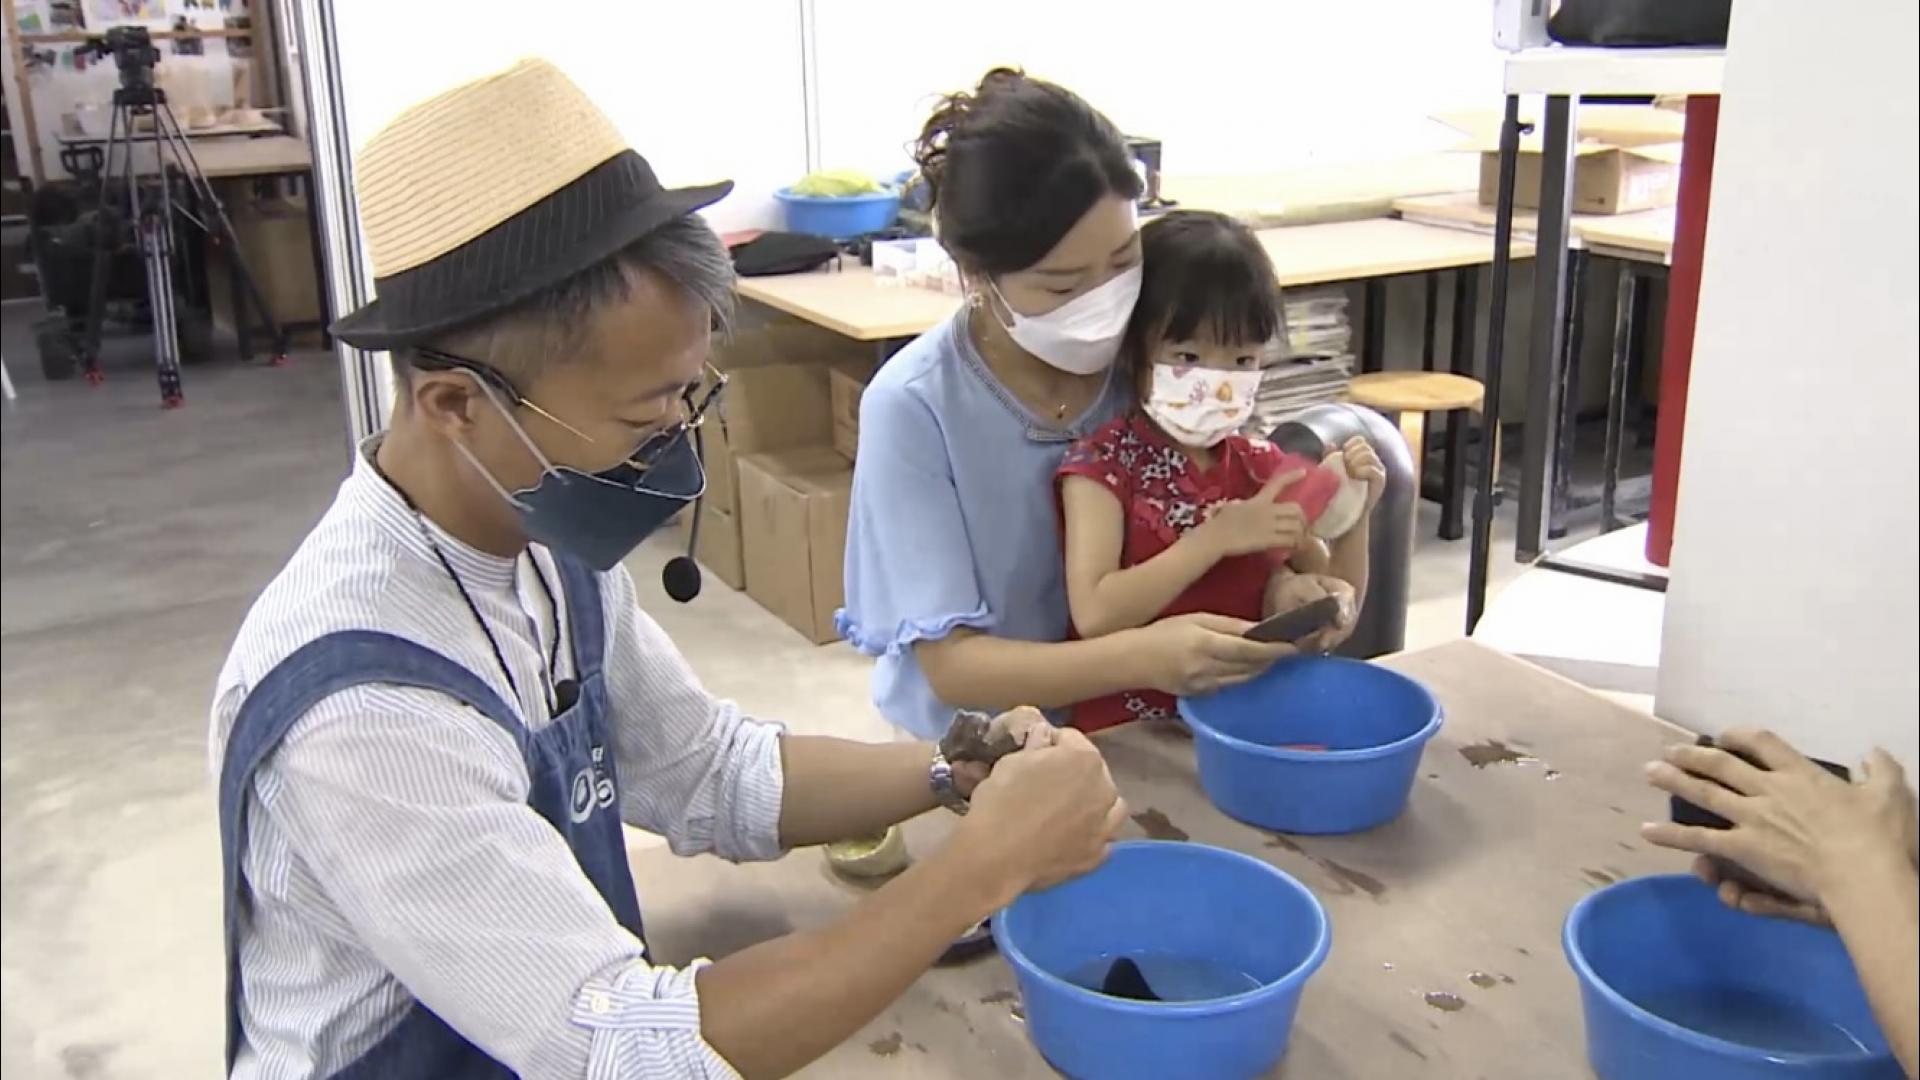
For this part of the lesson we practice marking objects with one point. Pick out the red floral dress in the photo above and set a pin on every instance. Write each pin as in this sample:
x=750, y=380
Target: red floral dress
x=1165, y=494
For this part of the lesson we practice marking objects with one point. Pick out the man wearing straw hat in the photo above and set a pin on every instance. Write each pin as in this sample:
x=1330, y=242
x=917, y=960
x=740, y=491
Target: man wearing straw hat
x=435, y=720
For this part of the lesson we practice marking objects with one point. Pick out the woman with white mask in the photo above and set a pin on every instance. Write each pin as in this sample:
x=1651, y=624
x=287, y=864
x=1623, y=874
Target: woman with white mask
x=954, y=576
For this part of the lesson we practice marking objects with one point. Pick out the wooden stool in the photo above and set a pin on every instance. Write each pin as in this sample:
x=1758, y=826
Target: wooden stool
x=1410, y=396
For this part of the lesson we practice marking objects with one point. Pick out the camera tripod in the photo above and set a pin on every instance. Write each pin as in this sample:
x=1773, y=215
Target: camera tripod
x=150, y=207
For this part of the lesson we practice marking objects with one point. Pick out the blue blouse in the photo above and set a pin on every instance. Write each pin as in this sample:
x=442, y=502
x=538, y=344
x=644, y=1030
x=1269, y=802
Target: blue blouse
x=954, y=522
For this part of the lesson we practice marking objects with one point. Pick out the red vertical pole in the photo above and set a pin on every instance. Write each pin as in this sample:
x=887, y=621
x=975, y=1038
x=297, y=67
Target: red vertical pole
x=1683, y=301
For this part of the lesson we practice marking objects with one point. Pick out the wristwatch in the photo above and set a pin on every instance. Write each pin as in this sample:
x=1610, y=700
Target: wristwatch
x=940, y=779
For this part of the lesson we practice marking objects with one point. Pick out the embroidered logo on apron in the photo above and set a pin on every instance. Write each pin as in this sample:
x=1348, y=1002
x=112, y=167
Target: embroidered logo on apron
x=591, y=787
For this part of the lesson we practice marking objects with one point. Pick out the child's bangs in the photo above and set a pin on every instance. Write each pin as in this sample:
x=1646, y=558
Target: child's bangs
x=1208, y=278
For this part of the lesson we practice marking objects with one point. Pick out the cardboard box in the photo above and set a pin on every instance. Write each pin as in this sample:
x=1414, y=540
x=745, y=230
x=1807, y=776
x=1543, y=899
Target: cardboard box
x=845, y=384
x=793, y=527
x=765, y=408
x=278, y=247
x=1627, y=157
x=1606, y=179
x=718, y=545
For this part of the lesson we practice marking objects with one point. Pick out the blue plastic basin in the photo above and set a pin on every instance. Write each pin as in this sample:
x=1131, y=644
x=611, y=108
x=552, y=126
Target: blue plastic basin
x=1372, y=722
x=1678, y=986
x=1199, y=920
x=839, y=217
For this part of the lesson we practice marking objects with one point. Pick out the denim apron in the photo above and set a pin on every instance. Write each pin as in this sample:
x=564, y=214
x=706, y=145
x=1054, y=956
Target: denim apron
x=569, y=765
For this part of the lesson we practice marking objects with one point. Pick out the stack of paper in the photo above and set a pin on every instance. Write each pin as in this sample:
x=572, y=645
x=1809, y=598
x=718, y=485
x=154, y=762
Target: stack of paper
x=1317, y=362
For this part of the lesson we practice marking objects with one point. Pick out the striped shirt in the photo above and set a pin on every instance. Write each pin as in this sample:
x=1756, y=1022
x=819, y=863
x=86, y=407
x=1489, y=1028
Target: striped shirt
x=391, y=856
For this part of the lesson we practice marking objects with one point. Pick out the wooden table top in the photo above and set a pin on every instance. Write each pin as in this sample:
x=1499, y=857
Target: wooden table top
x=1646, y=236
x=850, y=302
x=264, y=156
x=1474, y=879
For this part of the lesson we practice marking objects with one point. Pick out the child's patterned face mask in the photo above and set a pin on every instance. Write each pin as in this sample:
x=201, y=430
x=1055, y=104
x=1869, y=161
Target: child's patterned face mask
x=1199, y=406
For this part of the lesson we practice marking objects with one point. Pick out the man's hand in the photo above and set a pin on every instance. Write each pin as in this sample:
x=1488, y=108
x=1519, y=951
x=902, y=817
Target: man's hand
x=1363, y=464
x=1188, y=655
x=1046, y=814
x=1021, y=728
x=1259, y=524
x=1795, y=826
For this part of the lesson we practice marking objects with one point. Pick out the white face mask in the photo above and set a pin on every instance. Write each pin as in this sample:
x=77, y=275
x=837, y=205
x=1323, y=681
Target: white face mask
x=1081, y=336
x=1200, y=406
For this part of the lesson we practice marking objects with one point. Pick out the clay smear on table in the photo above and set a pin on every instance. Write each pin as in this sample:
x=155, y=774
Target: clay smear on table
x=1446, y=1002
x=1157, y=826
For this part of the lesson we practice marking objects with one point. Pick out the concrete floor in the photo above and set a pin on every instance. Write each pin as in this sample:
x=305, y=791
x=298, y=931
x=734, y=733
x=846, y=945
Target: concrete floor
x=134, y=540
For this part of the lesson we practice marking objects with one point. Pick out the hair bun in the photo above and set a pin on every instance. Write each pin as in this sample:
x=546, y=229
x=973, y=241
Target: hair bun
x=949, y=118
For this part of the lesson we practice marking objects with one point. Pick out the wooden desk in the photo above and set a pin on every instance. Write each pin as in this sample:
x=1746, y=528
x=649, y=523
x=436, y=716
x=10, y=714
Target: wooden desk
x=1476, y=877
x=1322, y=193
x=1646, y=236
x=850, y=302
x=268, y=155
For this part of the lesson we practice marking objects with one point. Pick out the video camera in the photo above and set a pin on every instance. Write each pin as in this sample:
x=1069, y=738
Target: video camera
x=133, y=51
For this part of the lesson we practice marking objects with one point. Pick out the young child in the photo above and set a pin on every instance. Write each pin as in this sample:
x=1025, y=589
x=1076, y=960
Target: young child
x=1169, y=510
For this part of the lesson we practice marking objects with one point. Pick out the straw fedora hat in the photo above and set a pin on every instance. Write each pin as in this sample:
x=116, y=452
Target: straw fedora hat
x=477, y=198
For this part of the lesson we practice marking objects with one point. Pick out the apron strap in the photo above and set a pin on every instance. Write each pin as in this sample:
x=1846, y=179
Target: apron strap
x=317, y=670
x=586, y=618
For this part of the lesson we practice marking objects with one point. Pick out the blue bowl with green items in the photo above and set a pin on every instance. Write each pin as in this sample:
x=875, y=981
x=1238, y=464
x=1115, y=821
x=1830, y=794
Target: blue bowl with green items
x=1317, y=744
x=1169, y=960
x=839, y=205
x=1675, y=985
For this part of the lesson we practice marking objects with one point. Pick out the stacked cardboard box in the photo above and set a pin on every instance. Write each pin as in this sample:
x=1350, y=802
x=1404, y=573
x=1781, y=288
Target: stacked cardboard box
x=1626, y=158
x=774, y=518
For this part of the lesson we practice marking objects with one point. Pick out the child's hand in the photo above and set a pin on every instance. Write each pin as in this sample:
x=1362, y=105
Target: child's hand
x=1363, y=464
x=1252, y=526
x=1289, y=592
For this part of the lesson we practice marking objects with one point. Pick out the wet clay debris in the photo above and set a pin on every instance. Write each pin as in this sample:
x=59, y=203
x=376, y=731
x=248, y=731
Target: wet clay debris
x=1157, y=826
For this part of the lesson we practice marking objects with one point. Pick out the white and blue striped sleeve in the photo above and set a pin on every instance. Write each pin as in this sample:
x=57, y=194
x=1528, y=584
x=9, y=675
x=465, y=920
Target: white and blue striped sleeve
x=410, y=811
x=692, y=767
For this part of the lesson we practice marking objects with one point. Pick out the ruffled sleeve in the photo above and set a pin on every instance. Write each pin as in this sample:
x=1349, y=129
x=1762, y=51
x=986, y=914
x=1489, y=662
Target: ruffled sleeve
x=910, y=569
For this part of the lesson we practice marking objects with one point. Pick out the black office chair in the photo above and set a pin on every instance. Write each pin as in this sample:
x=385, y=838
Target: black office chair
x=1383, y=617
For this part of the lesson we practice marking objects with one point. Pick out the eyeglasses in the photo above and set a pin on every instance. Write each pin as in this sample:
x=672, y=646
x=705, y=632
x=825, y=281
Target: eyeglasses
x=696, y=400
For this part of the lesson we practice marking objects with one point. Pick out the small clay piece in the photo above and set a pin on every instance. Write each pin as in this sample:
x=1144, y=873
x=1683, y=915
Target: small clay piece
x=971, y=737
x=870, y=857
x=1124, y=980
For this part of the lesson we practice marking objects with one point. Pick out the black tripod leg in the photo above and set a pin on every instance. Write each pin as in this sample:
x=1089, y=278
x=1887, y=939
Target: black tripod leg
x=222, y=234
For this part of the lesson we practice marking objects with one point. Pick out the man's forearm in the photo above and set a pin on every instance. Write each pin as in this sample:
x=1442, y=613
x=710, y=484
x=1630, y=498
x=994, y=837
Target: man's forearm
x=771, y=1009
x=1876, y=908
x=837, y=790
x=978, y=671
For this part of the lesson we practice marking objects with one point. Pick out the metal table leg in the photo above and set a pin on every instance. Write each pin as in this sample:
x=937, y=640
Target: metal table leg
x=1624, y=346
x=1496, y=332
x=1374, y=330
x=1433, y=312
x=1460, y=357
x=1547, y=332
x=1561, y=499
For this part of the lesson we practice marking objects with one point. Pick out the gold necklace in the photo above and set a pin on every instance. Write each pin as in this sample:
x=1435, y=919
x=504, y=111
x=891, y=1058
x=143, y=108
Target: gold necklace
x=1008, y=364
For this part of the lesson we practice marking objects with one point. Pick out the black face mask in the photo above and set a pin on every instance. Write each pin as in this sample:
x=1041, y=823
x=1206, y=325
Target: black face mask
x=599, y=517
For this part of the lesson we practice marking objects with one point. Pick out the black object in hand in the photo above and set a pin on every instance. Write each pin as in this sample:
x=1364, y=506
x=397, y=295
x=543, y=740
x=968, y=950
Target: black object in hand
x=1291, y=626
x=1124, y=980
x=1686, y=813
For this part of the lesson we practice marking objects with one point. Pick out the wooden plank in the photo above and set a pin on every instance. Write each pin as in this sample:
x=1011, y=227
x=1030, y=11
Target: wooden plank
x=1476, y=877
x=31, y=126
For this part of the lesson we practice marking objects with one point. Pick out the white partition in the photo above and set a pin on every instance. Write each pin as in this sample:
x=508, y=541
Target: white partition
x=1227, y=86
x=1795, y=549
x=705, y=91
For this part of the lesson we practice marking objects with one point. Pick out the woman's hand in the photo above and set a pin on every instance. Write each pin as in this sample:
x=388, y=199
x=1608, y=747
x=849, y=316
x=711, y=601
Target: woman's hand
x=1188, y=655
x=1363, y=464
x=1251, y=526
x=1795, y=826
